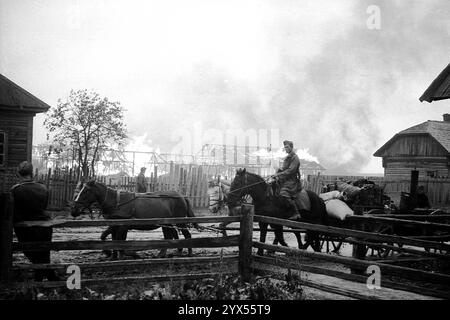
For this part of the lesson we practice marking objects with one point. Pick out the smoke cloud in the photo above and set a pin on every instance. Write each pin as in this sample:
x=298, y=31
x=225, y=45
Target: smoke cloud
x=333, y=99
x=310, y=70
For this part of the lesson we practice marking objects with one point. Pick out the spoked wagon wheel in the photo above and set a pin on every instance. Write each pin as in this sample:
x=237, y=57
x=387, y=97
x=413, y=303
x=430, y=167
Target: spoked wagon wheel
x=330, y=243
x=336, y=245
x=377, y=251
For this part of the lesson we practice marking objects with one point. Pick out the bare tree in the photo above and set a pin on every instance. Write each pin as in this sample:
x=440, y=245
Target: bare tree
x=87, y=123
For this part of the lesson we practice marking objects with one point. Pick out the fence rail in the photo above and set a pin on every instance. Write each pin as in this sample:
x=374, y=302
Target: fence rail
x=246, y=263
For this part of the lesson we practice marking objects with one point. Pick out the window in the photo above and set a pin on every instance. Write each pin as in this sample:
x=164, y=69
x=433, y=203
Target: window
x=2, y=148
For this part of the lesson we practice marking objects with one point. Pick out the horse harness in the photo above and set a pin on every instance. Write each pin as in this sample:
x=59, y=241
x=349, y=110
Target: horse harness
x=118, y=204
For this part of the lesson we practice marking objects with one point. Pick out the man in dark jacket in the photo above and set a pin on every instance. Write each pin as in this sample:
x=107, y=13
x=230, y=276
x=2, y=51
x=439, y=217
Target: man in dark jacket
x=289, y=179
x=141, y=186
x=30, y=200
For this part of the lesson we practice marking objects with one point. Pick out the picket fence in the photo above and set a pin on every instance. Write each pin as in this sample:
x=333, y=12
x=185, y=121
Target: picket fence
x=189, y=180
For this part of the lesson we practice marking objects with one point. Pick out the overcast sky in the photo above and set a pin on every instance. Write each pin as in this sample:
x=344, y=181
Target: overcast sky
x=313, y=70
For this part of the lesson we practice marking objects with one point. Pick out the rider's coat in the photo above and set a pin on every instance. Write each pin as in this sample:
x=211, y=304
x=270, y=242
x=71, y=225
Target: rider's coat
x=289, y=175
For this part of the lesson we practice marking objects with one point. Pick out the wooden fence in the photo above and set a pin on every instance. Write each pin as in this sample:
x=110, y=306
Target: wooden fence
x=190, y=180
x=437, y=189
x=245, y=263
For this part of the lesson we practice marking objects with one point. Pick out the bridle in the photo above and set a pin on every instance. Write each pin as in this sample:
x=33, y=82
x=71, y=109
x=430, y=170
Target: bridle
x=84, y=204
x=248, y=187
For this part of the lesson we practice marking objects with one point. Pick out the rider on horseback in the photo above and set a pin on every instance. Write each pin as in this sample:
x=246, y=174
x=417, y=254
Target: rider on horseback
x=288, y=178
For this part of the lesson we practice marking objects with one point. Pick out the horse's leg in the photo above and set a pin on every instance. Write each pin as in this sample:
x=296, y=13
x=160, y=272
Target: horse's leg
x=103, y=237
x=275, y=239
x=222, y=226
x=168, y=235
x=122, y=235
x=315, y=241
x=187, y=235
x=262, y=236
x=308, y=240
x=279, y=236
x=176, y=237
x=299, y=239
x=115, y=234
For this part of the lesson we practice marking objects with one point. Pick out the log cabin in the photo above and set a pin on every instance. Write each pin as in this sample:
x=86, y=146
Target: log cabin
x=424, y=148
x=17, y=110
x=419, y=155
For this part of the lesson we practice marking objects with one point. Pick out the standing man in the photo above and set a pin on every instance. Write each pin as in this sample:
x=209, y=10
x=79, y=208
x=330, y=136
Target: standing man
x=289, y=179
x=30, y=200
x=141, y=186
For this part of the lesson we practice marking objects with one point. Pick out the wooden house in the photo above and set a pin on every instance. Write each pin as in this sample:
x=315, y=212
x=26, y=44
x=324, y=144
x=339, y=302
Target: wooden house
x=419, y=155
x=17, y=110
x=424, y=148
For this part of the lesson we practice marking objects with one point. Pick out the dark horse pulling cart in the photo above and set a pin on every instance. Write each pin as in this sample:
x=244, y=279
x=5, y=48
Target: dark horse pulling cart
x=117, y=204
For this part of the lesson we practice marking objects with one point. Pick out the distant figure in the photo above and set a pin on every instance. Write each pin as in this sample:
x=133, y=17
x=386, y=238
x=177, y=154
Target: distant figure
x=141, y=186
x=30, y=200
x=422, y=199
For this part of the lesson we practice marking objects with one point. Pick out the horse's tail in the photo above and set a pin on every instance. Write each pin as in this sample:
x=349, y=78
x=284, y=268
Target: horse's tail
x=190, y=212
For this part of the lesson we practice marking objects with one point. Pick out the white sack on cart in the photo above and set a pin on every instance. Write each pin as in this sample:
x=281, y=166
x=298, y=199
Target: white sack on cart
x=338, y=209
x=331, y=195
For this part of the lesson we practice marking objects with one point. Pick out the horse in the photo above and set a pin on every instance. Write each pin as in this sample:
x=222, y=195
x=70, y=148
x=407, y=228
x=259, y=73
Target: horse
x=267, y=204
x=117, y=204
x=218, y=197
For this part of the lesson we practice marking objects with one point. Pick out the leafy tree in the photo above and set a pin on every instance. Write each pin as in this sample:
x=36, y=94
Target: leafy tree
x=86, y=123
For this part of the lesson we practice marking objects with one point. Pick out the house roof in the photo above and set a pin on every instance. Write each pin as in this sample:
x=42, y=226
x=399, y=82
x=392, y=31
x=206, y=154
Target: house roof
x=310, y=165
x=439, y=130
x=15, y=98
x=440, y=87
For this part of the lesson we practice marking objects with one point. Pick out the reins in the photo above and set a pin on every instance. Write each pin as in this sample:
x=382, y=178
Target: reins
x=250, y=185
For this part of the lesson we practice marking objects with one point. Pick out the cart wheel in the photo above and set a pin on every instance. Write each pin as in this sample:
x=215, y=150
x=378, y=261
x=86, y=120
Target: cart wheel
x=336, y=246
x=381, y=252
x=323, y=241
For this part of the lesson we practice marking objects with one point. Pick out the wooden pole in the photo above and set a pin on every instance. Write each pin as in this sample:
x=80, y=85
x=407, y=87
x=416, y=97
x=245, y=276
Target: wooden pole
x=246, y=242
x=6, y=237
x=358, y=250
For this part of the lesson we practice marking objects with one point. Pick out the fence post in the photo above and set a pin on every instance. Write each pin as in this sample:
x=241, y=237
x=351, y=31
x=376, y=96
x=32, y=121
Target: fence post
x=359, y=250
x=246, y=242
x=6, y=237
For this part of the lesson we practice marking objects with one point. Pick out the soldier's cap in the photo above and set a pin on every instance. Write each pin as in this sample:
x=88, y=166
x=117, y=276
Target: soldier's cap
x=143, y=168
x=289, y=143
x=25, y=168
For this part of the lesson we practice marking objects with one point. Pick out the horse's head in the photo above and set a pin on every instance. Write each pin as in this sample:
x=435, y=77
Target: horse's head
x=85, y=194
x=238, y=188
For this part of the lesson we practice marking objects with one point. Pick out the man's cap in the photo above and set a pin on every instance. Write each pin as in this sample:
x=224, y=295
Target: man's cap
x=143, y=168
x=25, y=168
x=289, y=143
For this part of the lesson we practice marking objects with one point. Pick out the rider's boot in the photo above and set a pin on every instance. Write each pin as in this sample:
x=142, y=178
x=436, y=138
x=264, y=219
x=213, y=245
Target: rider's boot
x=293, y=208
